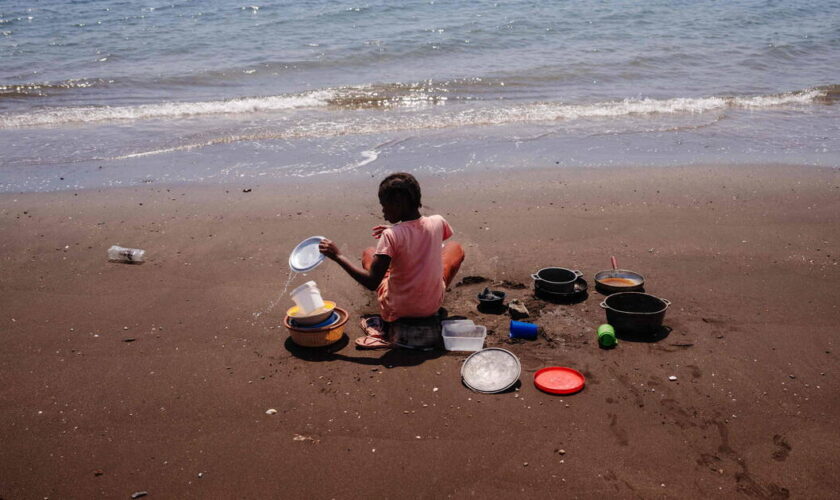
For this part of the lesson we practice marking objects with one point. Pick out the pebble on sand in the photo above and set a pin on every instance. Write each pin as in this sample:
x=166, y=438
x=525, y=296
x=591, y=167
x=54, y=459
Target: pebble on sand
x=517, y=309
x=672, y=378
x=270, y=411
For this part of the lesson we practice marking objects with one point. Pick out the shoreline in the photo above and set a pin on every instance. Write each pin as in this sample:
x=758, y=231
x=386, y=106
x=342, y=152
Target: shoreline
x=748, y=256
x=361, y=178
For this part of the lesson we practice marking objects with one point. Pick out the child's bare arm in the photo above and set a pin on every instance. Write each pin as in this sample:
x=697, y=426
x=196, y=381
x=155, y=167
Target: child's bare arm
x=369, y=279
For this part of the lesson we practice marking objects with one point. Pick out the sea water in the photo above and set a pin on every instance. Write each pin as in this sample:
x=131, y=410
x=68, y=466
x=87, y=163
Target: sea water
x=108, y=92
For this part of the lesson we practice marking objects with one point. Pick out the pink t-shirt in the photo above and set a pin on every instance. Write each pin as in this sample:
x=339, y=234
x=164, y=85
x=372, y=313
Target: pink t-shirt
x=413, y=286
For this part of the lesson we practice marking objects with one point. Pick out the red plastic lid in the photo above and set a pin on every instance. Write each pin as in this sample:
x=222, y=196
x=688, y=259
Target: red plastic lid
x=559, y=380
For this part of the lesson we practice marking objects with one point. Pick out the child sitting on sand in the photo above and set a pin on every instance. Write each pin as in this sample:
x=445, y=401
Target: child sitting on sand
x=410, y=267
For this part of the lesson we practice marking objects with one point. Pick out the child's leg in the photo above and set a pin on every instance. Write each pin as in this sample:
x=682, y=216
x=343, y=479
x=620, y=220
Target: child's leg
x=453, y=256
x=367, y=258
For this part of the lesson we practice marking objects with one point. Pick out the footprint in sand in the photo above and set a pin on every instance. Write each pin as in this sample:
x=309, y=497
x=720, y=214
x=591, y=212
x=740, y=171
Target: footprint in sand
x=783, y=450
x=619, y=432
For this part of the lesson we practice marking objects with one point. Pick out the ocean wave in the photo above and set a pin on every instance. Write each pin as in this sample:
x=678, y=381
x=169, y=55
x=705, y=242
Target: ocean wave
x=830, y=94
x=43, y=89
x=171, y=110
x=418, y=97
x=497, y=116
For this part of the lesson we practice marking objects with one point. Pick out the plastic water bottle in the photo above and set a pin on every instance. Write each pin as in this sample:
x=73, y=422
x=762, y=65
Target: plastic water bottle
x=128, y=255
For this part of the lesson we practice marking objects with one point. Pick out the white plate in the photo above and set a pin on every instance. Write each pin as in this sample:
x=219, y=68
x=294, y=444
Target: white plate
x=306, y=257
x=491, y=370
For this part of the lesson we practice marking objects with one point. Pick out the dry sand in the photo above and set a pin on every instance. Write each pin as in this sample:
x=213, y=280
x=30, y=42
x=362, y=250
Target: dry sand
x=116, y=378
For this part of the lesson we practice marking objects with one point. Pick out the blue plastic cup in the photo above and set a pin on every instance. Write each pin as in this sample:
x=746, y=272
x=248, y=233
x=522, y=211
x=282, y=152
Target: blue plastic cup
x=523, y=330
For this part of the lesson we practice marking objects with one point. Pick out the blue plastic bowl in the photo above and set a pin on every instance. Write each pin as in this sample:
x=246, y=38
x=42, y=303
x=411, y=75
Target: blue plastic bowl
x=327, y=322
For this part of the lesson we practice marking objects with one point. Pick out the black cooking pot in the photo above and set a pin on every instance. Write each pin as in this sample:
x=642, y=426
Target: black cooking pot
x=634, y=313
x=490, y=300
x=556, y=279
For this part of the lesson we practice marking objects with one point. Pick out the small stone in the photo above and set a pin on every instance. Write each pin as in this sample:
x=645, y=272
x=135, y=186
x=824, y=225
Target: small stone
x=672, y=378
x=125, y=328
x=270, y=411
x=129, y=339
x=524, y=464
x=517, y=309
x=200, y=475
x=434, y=389
x=139, y=494
x=792, y=376
x=98, y=472
x=561, y=452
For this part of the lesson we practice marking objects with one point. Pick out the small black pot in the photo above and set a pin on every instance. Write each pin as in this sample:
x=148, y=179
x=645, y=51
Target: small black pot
x=556, y=279
x=633, y=313
x=492, y=300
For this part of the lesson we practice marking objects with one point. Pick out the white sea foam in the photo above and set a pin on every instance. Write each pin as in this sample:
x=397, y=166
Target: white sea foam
x=410, y=118
x=497, y=116
x=168, y=110
x=369, y=156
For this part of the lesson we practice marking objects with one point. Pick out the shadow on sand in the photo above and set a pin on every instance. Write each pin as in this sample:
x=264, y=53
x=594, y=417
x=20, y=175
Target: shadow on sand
x=658, y=335
x=390, y=358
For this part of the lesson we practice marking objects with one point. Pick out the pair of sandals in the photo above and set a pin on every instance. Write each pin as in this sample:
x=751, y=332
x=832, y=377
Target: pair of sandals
x=376, y=334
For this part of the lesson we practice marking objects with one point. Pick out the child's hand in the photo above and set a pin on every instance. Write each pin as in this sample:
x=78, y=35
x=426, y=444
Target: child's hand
x=328, y=248
x=377, y=231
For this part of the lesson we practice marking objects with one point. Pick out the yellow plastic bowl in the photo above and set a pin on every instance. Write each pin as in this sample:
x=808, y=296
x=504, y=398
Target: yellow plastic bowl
x=314, y=317
x=319, y=337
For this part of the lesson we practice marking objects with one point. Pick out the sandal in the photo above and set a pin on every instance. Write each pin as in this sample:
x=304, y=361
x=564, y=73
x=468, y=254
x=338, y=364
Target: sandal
x=372, y=342
x=375, y=335
x=373, y=326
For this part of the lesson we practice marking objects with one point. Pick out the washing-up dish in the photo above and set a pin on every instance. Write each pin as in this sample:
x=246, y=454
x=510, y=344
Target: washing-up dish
x=306, y=257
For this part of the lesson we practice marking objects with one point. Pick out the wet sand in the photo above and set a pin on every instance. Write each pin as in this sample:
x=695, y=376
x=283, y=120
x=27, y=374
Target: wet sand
x=116, y=379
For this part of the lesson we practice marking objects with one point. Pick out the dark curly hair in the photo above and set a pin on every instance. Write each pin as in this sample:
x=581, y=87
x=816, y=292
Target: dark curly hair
x=400, y=185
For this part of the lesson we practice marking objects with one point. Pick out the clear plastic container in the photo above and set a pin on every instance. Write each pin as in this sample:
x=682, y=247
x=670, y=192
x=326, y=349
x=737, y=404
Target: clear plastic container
x=464, y=337
x=128, y=255
x=456, y=326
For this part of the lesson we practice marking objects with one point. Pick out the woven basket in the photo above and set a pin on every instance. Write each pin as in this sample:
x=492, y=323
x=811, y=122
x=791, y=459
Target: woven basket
x=319, y=337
